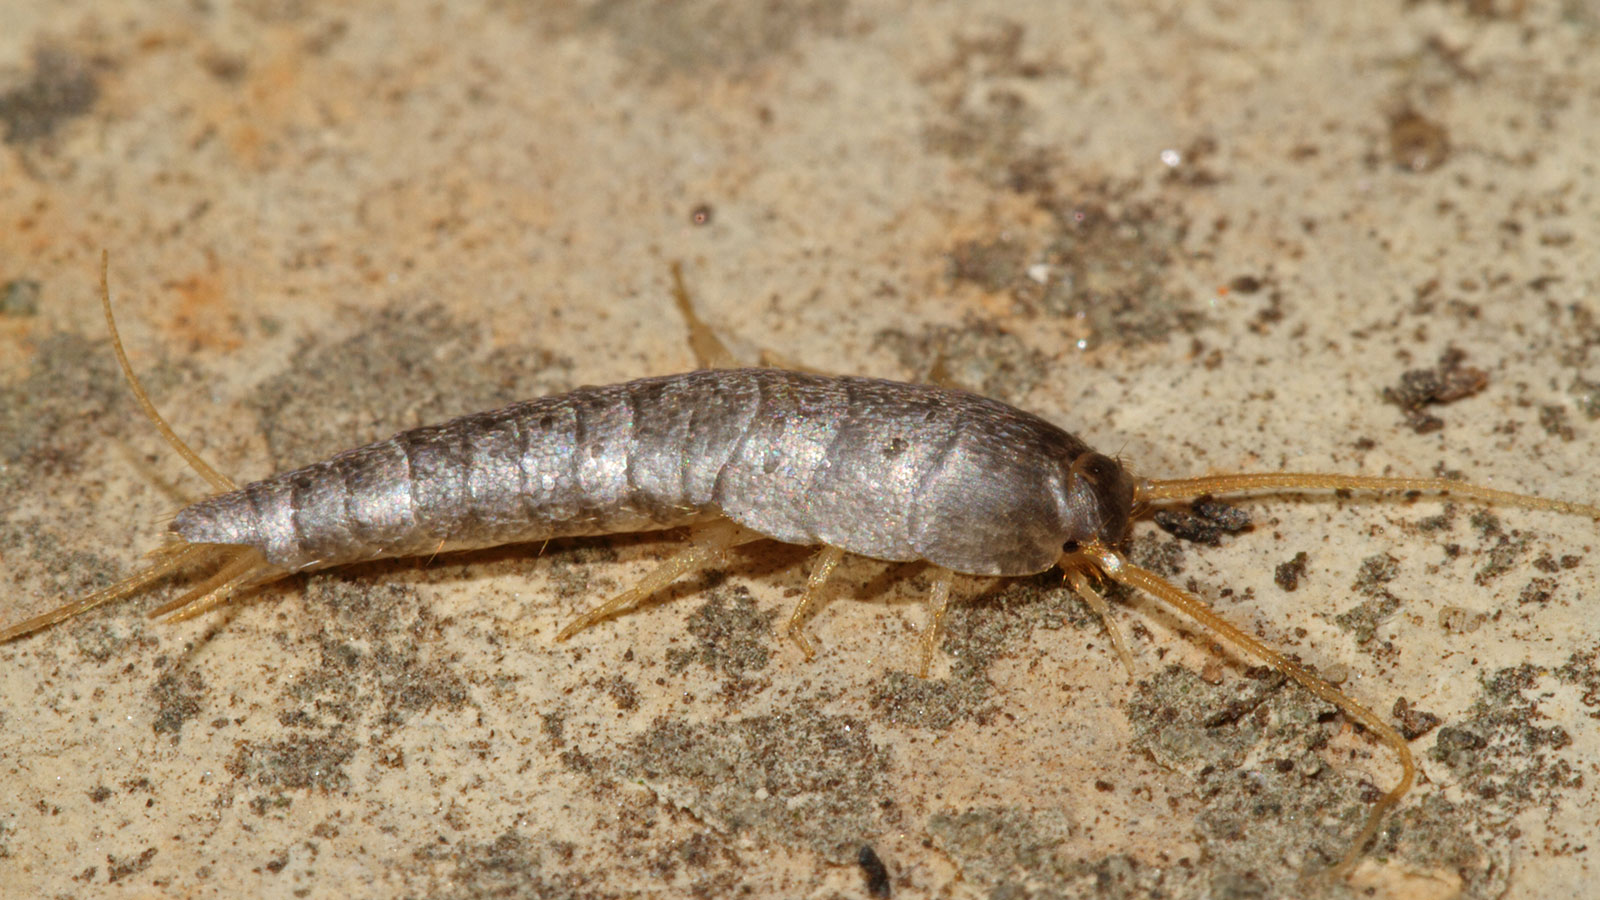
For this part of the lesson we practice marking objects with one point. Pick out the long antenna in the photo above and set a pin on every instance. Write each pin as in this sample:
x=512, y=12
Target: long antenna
x=1181, y=488
x=218, y=480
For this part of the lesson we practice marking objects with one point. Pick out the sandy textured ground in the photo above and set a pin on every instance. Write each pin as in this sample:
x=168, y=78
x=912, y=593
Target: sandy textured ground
x=1205, y=236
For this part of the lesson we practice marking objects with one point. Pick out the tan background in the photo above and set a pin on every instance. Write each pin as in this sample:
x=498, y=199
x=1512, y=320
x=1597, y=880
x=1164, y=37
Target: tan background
x=328, y=222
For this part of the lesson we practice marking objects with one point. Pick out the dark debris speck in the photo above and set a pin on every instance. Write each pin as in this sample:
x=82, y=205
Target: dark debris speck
x=875, y=873
x=1538, y=590
x=1555, y=422
x=1205, y=523
x=60, y=89
x=1287, y=575
x=1363, y=619
x=19, y=298
x=1446, y=382
x=119, y=868
x=178, y=696
x=1417, y=143
x=1414, y=723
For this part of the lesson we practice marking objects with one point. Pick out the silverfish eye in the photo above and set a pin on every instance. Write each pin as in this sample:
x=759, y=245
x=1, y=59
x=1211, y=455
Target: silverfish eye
x=1069, y=547
x=1102, y=470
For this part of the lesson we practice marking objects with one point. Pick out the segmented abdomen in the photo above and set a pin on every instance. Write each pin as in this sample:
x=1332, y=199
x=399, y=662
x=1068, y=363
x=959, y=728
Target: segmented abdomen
x=800, y=458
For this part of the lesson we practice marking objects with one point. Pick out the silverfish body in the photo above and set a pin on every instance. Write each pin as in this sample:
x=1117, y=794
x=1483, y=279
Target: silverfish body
x=879, y=468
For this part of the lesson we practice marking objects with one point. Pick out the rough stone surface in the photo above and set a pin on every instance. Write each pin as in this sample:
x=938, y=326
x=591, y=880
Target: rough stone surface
x=1206, y=236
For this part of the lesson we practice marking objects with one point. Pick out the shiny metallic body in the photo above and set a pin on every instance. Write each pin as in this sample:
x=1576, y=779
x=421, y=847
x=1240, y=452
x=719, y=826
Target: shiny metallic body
x=878, y=468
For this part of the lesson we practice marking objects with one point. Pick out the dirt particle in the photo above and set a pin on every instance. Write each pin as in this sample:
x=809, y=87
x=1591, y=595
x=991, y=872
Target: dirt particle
x=1251, y=747
x=985, y=118
x=1436, y=834
x=99, y=641
x=1582, y=671
x=1586, y=394
x=1486, y=523
x=1163, y=557
x=177, y=696
x=874, y=872
x=1508, y=549
x=1492, y=10
x=374, y=673
x=1446, y=382
x=301, y=762
x=1538, y=590
x=59, y=89
x=1179, y=719
x=1375, y=571
x=19, y=298
x=1103, y=259
x=120, y=868
x=623, y=693
x=225, y=67
x=1553, y=419
x=1413, y=722
x=1363, y=619
x=1458, y=620
x=1416, y=143
x=1245, y=284
x=1287, y=575
x=1205, y=523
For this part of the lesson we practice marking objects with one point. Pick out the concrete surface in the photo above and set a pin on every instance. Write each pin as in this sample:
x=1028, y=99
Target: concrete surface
x=1206, y=236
